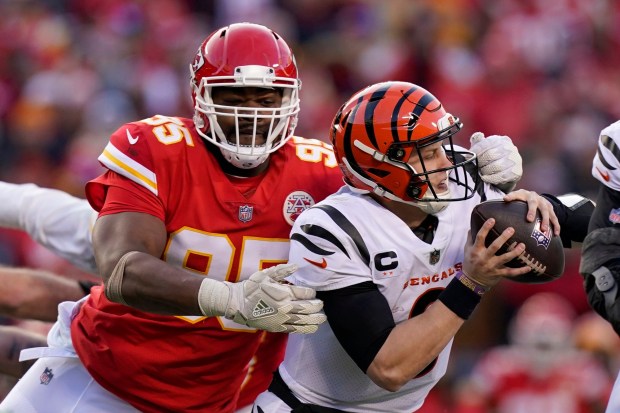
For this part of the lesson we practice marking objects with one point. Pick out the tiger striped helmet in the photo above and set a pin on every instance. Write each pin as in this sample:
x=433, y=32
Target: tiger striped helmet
x=378, y=130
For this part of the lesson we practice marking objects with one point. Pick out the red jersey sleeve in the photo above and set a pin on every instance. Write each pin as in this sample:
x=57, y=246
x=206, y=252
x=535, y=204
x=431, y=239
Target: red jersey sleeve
x=130, y=184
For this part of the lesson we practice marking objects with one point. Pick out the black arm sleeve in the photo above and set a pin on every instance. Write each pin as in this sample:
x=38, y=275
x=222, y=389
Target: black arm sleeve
x=361, y=319
x=573, y=220
x=606, y=200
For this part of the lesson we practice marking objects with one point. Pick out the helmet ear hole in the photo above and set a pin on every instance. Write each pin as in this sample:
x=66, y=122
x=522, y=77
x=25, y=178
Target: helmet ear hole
x=414, y=191
x=396, y=153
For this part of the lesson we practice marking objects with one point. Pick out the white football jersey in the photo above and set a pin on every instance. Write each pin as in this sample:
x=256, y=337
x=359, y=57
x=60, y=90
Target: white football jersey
x=58, y=221
x=606, y=164
x=369, y=243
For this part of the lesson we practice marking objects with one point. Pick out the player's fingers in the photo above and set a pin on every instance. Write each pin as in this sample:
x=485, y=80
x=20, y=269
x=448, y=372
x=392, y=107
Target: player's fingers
x=484, y=231
x=307, y=319
x=514, y=250
x=303, y=293
x=306, y=306
x=513, y=272
x=305, y=329
x=532, y=207
x=553, y=219
x=281, y=271
x=281, y=292
x=501, y=240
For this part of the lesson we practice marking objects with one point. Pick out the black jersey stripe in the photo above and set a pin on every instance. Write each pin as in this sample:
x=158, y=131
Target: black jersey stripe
x=348, y=152
x=348, y=228
x=419, y=108
x=369, y=113
x=396, y=111
x=608, y=143
x=321, y=232
x=310, y=246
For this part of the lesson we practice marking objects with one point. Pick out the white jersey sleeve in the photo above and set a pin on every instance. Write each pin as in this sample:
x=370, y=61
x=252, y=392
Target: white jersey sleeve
x=323, y=237
x=606, y=163
x=58, y=221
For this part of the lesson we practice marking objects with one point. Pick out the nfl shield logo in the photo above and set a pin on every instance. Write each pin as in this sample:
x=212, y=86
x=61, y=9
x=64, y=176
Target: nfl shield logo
x=245, y=213
x=614, y=216
x=46, y=376
x=542, y=238
x=434, y=257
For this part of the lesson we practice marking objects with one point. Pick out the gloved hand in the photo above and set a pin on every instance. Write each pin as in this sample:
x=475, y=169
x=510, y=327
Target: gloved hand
x=264, y=302
x=499, y=161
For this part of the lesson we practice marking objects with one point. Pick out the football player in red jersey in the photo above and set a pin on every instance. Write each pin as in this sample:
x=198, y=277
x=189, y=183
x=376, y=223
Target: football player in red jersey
x=63, y=224
x=540, y=369
x=194, y=217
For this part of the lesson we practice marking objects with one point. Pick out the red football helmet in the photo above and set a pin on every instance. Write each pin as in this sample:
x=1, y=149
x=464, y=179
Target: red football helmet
x=378, y=129
x=544, y=321
x=245, y=55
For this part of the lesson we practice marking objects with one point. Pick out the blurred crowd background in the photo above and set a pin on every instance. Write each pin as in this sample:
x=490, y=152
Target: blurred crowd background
x=544, y=72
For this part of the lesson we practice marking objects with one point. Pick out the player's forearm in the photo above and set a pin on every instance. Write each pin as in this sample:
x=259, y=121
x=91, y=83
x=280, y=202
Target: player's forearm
x=35, y=294
x=12, y=341
x=152, y=285
x=413, y=345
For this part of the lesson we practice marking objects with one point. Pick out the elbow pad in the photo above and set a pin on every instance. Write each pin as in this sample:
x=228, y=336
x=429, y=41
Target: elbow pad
x=573, y=212
x=600, y=268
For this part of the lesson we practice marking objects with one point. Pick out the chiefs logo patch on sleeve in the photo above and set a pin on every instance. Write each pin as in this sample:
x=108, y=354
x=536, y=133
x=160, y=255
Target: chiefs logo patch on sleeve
x=295, y=203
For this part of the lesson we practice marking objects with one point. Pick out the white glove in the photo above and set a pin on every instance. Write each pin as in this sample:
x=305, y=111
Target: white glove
x=264, y=302
x=499, y=161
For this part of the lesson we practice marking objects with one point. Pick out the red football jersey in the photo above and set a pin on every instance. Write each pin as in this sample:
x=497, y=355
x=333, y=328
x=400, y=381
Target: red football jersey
x=564, y=380
x=189, y=363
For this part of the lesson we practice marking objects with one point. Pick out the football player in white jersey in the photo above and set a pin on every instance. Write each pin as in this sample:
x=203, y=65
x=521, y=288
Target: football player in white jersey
x=391, y=257
x=600, y=261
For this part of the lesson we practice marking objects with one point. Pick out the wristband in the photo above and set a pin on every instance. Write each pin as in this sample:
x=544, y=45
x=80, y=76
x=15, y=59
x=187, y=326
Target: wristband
x=471, y=284
x=459, y=298
x=213, y=297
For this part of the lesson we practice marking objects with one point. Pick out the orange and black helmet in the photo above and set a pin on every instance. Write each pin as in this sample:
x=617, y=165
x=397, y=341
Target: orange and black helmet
x=379, y=128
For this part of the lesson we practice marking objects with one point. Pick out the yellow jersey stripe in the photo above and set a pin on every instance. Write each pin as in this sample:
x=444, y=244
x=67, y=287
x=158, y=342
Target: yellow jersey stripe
x=120, y=163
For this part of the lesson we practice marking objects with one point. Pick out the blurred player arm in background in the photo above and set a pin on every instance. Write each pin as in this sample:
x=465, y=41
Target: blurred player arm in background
x=35, y=294
x=30, y=294
x=12, y=341
x=58, y=221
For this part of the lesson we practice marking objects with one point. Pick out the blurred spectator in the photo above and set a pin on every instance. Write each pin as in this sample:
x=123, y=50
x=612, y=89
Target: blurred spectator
x=540, y=370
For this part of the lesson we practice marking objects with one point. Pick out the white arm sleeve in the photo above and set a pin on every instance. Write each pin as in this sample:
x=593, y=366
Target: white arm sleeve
x=58, y=221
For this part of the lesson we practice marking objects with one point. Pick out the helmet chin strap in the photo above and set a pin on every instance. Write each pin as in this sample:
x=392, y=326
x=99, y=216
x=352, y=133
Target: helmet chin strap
x=241, y=160
x=435, y=207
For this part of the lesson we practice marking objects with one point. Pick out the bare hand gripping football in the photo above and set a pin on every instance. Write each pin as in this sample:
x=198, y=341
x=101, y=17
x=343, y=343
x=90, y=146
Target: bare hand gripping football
x=264, y=302
x=544, y=253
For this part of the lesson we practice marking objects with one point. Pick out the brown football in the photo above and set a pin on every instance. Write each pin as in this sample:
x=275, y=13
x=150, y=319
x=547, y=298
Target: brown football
x=544, y=252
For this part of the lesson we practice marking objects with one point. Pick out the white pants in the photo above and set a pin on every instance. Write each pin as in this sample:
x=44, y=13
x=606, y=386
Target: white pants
x=58, y=382
x=61, y=385
x=614, y=399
